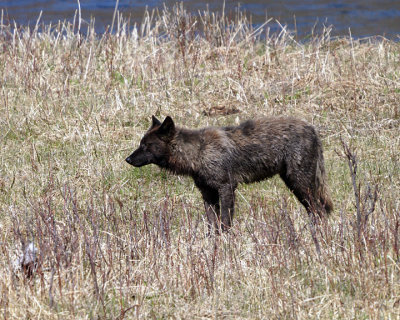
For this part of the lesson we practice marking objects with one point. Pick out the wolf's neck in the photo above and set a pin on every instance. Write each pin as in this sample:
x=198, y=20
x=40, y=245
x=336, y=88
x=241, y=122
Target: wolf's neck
x=184, y=152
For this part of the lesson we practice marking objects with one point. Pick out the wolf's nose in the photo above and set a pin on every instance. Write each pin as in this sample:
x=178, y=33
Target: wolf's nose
x=128, y=160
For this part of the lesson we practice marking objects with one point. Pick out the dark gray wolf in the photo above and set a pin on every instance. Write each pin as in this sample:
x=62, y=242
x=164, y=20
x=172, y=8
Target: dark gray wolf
x=219, y=158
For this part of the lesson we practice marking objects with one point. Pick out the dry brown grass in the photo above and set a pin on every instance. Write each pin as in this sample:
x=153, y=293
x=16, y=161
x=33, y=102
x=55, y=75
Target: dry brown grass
x=117, y=242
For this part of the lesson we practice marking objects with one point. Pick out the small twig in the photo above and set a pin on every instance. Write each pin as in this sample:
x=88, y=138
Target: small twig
x=115, y=12
x=363, y=212
x=352, y=163
x=51, y=298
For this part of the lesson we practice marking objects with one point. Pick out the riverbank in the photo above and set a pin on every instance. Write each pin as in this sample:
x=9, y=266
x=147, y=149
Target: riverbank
x=119, y=242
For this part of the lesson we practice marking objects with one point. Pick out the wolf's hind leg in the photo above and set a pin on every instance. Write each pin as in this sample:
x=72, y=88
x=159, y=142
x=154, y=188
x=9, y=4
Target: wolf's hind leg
x=304, y=195
x=301, y=190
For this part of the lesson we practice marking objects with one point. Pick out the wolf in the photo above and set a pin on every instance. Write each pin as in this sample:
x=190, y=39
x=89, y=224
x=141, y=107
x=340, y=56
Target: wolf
x=219, y=158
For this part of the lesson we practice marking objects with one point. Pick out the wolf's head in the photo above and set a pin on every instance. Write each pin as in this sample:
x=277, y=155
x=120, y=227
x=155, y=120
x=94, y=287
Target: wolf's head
x=154, y=146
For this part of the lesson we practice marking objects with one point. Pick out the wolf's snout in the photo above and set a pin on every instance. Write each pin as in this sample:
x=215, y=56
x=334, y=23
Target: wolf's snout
x=129, y=160
x=138, y=158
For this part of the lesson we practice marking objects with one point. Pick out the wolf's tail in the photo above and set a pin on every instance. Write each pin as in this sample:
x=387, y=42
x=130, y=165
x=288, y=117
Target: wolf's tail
x=322, y=190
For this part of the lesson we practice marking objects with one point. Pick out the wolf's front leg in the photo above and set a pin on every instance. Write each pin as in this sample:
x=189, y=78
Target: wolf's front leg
x=227, y=196
x=213, y=216
x=211, y=205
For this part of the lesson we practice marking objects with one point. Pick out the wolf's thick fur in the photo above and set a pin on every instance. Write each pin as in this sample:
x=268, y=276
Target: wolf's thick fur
x=219, y=158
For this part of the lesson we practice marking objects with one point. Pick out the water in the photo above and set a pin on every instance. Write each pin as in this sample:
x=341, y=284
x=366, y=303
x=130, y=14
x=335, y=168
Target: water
x=363, y=17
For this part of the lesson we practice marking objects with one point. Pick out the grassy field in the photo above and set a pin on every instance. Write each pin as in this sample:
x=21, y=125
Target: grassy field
x=116, y=242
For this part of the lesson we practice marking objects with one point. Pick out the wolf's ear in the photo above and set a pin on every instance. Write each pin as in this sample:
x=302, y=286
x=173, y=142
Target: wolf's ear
x=155, y=122
x=167, y=129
